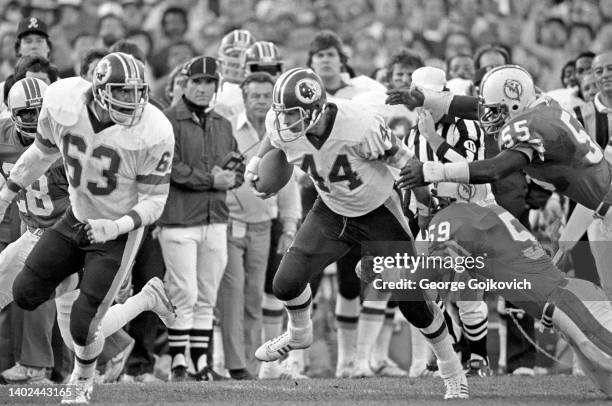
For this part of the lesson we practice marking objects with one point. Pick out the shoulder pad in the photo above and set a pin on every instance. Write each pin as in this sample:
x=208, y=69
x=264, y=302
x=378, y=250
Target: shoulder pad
x=60, y=100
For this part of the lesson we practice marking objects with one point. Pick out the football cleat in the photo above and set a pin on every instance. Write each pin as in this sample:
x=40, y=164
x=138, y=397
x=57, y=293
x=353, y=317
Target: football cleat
x=114, y=367
x=78, y=391
x=362, y=370
x=179, y=374
x=162, y=305
x=344, y=370
x=387, y=367
x=22, y=375
x=208, y=374
x=292, y=339
x=456, y=387
x=478, y=367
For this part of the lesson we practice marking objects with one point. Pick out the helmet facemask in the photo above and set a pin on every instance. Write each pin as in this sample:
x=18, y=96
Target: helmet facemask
x=492, y=117
x=126, y=113
x=295, y=130
x=26, y=120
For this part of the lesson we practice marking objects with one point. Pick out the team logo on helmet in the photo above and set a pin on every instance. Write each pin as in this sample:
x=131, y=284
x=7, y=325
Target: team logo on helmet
x=466, y=192
x=103, y=71
x=513, y=89
x=308, y=90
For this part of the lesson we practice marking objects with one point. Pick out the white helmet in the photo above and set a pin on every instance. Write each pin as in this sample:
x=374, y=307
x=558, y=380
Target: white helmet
x=24, y=102
x=504, y=92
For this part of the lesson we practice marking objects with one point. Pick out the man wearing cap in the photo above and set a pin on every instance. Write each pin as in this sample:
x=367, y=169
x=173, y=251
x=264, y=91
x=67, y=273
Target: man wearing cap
x=193, y=227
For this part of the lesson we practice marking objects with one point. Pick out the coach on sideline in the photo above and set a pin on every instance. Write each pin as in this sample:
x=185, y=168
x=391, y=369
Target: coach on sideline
x=193, y=233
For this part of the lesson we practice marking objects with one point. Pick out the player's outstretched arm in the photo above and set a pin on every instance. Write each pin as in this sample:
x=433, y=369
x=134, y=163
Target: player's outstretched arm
x=416, y=173
x=31, y=165
x=465, y=107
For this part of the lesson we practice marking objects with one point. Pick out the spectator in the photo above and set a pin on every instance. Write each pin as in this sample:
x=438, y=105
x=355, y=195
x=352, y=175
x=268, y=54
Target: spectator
x=110, y=29
x=89, y=62
x=143, y=39
x=457, y=43
x=242, y=286
x=583, y=64
x=568, y=74
x=588, y=87
x=134, y=14
x=175, y=55
x=460, y=66
x=193, y=233
x=32, y=38
x=174, y=25
x=81, y=45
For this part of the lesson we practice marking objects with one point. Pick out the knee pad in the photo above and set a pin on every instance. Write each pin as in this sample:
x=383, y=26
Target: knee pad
x=82, y=319
x=472, y=312
x=29, y=290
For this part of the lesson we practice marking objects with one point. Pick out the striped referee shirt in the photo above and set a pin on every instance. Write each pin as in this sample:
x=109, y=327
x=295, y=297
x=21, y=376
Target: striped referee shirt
x=464, y=140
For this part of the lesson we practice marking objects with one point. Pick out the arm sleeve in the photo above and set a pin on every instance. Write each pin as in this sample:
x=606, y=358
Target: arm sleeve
x=465, y=107
x=463, y=144
x=186, y=176
x=380, y=143
x=39, y=157
x=153, y=182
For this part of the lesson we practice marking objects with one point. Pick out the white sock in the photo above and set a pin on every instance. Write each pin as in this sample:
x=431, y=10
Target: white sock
x=273, y=311
x=86, y=356
x=442, y=345
x=63, y=304
x=299, y=310
x=347, y=317
x=119, y=315
x=383, y=342
x=370, y=323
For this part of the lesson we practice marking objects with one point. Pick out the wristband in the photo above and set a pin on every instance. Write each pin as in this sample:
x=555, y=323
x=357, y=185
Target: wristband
x=450, y=172
x=125, y=224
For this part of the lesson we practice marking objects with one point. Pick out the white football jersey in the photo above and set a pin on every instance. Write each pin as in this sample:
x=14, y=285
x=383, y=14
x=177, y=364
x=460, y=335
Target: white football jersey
x=113, y=172
x=228, y=101
x=348, y=168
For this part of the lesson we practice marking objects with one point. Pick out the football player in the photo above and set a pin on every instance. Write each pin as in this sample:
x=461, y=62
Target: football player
x=231, y=55
x=263, y=56
x=503, y=250
x=117, y=150
x=347, y=150
x=535, y=135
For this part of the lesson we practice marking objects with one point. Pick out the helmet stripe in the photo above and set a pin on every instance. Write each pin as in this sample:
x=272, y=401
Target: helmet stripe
x=26, y=89
x=124, y=65
x=37, y=91
x=132, y=66
x=290, y=75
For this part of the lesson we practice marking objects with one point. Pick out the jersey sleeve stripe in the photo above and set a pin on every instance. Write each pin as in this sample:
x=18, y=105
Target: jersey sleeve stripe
x=45, y=142
x=153, y=179
x=136, y=218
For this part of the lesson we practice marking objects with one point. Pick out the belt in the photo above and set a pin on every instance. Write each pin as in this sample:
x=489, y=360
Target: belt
x=36, y=231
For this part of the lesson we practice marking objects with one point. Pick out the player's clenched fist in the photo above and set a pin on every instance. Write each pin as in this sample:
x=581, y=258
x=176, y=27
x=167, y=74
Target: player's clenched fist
x=251, y=176
x=101, y=230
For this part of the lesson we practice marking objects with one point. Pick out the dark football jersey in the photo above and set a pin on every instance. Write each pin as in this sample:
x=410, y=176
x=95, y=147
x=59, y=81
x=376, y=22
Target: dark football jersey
x=500, y=247
x=43, y=202
x=560, y=151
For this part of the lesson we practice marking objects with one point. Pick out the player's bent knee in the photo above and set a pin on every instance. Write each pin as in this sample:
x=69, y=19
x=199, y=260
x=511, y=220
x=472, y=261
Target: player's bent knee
x=82, y=317
x=29, y=290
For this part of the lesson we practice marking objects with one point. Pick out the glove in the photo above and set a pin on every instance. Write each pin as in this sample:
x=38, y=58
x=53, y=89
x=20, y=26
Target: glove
x=100, y=231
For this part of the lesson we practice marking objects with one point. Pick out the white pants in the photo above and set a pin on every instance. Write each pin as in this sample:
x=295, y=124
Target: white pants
x=12, y=260
x=195, y=259
x=600, y=238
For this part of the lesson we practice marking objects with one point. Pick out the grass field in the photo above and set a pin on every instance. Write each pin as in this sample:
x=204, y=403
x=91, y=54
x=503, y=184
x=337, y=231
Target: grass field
x=545, y=390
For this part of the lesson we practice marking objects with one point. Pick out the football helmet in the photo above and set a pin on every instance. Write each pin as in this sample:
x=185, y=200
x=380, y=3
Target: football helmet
x=24, y=102
x=231, y=54
x=504, y=92
x=298, y=100
x=263, y=56
x=120, y=88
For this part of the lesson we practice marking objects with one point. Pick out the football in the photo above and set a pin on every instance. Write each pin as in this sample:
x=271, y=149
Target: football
x=274, y=172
